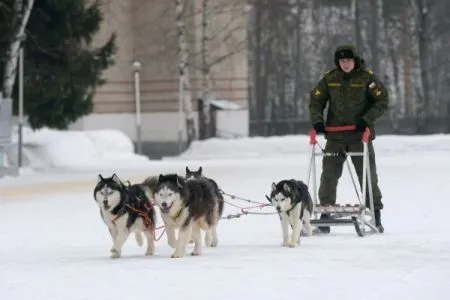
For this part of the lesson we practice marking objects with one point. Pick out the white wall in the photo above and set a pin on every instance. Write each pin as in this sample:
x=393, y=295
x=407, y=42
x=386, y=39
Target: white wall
x=232, y=123
x=155, y=126
x=162, y=126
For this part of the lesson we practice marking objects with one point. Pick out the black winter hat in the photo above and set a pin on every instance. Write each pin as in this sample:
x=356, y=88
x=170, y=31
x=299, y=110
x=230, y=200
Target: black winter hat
x=345, y=51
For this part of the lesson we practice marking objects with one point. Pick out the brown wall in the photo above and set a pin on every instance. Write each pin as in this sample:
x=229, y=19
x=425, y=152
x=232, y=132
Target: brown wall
x=146, y=31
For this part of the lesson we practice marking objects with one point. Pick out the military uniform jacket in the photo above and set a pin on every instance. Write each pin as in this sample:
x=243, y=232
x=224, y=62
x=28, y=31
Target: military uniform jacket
x=349, y=97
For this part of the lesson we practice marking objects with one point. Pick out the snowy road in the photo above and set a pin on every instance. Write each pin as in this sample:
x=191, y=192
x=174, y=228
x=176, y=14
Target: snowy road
x=54, y=245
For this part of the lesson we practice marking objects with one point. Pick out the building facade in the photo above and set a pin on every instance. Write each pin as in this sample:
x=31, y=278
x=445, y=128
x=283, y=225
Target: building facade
x=146, y=32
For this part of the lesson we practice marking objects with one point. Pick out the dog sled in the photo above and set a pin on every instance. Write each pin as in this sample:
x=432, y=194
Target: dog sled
x=357, y=215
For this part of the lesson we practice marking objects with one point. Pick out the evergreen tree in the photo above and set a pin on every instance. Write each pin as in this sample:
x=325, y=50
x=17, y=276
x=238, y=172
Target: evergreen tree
x=62, y=68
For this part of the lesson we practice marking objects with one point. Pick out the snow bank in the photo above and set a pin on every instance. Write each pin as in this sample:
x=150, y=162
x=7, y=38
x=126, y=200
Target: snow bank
x=111, y=149
x=278, y=146
x=46, y=149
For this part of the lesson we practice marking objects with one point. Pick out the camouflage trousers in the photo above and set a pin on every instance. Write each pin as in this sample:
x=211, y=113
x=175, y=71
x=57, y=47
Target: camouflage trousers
x=332, y=167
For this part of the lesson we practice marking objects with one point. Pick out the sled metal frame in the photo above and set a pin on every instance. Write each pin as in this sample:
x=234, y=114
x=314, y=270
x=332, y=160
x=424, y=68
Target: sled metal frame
x=357, y=215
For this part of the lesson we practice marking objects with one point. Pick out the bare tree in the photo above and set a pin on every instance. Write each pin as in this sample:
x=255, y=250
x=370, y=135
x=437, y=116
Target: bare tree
x=206, y=68
x=207, y=35
x=183, y=68
x=21, y=11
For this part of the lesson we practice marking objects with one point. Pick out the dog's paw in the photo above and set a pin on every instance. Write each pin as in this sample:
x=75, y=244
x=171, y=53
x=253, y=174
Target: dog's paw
x=176, y=255
x=307, y=232
x=291, y=245
x=214, y=243
x=195, y=253
x=149, y=253
x=115, y=253
x=284, y=244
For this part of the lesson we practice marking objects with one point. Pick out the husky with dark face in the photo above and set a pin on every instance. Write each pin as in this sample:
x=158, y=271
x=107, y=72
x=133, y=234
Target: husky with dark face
x=294, y=205
x=211, y=239
x=126, y=209
x=187, y=205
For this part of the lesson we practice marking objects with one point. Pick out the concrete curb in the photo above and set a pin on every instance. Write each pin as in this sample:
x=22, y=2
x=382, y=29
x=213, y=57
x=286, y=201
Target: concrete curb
x=8, y=193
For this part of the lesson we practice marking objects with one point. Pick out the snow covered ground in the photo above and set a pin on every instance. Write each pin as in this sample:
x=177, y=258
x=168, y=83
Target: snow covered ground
x=55, y=246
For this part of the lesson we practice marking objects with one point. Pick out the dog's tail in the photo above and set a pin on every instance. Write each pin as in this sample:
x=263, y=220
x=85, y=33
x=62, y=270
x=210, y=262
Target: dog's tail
x=139, y=238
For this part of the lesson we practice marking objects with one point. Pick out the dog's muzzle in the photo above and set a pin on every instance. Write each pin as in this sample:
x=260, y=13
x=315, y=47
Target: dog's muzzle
x=165, y=208
x=106, y=204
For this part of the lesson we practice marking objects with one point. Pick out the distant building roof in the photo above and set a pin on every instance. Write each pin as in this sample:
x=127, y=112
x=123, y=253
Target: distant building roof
x=225, y=104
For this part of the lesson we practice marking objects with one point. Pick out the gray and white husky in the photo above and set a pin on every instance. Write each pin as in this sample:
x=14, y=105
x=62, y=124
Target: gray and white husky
x=189, y=206
x=126, y=209
x=211, y=239
x=294, y=205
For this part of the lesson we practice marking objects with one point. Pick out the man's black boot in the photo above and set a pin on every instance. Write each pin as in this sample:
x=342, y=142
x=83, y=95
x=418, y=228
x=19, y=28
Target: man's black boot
x=324, y=229
x=378, y=221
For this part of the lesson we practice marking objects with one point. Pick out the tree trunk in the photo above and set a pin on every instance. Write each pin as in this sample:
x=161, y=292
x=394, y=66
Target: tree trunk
x=206, y=70
x=407, y=63
x=356, y=14
x=183, y=67
x=421, y=71
x=22, y=11
x=251, y=69
x=375, y=38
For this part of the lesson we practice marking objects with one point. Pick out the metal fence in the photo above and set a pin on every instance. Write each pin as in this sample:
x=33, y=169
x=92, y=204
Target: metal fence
x=6, y=143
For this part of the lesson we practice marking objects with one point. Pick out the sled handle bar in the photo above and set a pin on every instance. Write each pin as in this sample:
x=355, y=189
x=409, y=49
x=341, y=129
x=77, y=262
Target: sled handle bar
x=313, y=133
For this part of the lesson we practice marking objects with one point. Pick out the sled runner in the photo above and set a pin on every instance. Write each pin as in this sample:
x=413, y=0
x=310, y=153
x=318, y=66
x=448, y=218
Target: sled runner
x=357, y=215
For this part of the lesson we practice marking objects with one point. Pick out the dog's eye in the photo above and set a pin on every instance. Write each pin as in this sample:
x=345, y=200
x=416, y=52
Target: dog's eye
x=170, y=195
x=282, y=199
x=110, y=192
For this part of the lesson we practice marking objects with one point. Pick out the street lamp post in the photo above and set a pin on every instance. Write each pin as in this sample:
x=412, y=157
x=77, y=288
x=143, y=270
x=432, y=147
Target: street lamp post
x=137, y=66
x=21, y=121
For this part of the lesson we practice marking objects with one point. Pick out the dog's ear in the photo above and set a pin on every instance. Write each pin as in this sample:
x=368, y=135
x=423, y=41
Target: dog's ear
x=116, y=179
x=200, y=170
x=179, y=183
x=268, y=198
x=274, y=186
x=161, y=177
x=287, y=188
x=100, y=178
x=187, y=170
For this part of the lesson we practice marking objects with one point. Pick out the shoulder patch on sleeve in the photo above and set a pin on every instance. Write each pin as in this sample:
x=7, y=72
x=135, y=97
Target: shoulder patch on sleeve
x=372, y=85
x=370, y=72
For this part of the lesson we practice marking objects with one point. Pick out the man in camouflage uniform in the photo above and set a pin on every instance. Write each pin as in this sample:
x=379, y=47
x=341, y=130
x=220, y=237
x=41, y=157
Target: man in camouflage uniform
x=354, y=96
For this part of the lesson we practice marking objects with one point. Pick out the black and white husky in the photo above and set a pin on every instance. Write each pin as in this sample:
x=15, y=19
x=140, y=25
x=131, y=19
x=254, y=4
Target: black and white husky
x=187, y=205
x=294, y=205
x=211, y=239
x=126, y=209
